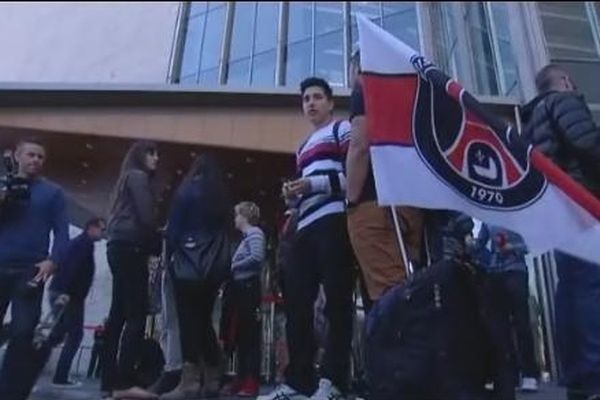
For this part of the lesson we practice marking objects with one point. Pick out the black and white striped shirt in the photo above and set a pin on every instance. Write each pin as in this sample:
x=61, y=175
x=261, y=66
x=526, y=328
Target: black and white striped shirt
x=321, y=159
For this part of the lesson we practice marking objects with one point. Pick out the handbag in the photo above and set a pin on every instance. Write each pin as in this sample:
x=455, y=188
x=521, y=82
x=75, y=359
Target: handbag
x=202, y=257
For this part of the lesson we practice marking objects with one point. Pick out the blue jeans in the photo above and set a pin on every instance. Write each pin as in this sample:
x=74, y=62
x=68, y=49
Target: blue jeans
x=70, y=325
x=18, y=372
x=578, y=322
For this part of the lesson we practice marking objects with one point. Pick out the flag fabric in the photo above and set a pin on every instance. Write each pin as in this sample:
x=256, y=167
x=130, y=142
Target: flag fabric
x=433, y=145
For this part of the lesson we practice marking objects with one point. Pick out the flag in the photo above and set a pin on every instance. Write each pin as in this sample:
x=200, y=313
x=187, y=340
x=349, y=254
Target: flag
x=433, y=145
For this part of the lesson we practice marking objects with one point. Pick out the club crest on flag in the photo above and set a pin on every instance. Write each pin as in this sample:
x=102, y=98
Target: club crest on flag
x=465, y=152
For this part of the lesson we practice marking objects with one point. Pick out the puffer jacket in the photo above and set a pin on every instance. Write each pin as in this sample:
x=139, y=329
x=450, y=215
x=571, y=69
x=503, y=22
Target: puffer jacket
x=561, y=126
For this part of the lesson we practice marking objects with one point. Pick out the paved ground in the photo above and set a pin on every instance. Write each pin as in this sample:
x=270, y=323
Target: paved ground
x=89, y=391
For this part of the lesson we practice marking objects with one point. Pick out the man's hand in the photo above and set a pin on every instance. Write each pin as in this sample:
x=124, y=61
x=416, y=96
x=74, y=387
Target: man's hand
x=45, y=270
x=296, y=188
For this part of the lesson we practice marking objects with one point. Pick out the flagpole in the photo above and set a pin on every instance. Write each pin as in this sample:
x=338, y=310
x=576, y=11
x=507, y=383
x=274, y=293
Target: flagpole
x=407, y=265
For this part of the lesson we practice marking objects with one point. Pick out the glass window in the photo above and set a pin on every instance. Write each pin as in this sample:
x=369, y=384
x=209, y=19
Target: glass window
x=265, y=44
x=188, y=79
x=299, y=52
x=192, y=46
x=263, y=69
x=445, y=38
x=214, y=4
x=267, y=21
x=481, y=48
x=506, y=59
x=300, y=21
x=241, y=36
x=370, y=9
x=328, y=17
x=329, y=42
x=400, y=19
x=238, y=72
x=330, y=58
x=209, y=77
x=298, y=65
x=568, y=30
x=585, y=76
x=197, y=7
x=211, y=49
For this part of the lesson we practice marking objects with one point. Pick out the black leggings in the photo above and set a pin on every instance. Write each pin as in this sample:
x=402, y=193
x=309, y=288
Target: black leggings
x=195, y=303
x=246, y=293
x=127, y=319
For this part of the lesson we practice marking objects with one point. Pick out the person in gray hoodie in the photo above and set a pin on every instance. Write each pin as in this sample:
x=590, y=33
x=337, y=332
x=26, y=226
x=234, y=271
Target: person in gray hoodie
x=132, y=232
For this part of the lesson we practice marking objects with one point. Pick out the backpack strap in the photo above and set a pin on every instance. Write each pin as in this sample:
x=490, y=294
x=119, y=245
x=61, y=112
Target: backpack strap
x=336, y=136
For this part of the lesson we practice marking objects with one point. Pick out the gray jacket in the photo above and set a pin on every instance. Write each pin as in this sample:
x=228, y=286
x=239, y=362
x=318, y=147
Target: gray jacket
x=134, y=216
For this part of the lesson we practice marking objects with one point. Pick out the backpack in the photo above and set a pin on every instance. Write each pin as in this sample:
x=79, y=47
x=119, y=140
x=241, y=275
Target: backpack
x=422, y=335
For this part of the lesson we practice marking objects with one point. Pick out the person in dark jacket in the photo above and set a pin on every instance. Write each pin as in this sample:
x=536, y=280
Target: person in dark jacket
x=559, y=123
x=508, y=280
x=75, y=278
x=200, y=218
x=132, y=232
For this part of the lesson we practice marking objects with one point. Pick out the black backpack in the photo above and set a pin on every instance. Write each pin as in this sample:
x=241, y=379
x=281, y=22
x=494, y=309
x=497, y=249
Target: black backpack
x=423, y=335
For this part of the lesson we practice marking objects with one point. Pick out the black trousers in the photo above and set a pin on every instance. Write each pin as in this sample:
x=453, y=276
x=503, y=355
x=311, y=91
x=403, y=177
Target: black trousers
x=246, y=295
x=195, y=303
x=94, y=368
x=127, y=318
x=19, y=368
x=513, y=287
x=506, y=308
x=71, y=325
x=321, y=255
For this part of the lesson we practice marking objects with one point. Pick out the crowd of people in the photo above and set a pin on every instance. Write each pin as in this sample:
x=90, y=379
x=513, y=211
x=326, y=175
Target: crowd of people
x=336, y=235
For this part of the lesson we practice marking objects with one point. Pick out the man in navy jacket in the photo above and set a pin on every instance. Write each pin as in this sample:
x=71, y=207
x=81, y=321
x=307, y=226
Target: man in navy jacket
x=74, y=278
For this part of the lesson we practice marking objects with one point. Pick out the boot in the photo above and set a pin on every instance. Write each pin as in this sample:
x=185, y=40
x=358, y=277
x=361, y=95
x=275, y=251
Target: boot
x=189, y=385
x=167, y=381
x=212, y=380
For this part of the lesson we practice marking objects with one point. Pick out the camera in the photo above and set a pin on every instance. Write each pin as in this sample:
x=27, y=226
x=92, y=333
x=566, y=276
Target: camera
x=15, y=190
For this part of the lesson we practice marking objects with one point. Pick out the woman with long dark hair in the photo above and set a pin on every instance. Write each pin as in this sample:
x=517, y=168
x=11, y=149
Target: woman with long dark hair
x=132, y=230
x=198, y=245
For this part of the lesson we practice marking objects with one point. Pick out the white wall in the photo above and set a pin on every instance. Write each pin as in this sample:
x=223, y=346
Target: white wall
x=86, y=42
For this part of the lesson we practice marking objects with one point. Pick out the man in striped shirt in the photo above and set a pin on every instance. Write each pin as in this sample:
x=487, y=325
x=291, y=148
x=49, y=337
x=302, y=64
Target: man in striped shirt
x=321, y=254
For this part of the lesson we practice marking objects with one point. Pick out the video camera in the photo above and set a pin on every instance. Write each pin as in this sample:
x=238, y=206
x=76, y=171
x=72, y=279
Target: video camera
x=14, y=189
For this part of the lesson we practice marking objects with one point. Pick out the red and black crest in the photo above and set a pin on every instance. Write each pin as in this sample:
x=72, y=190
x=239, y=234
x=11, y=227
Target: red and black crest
x=474, y=157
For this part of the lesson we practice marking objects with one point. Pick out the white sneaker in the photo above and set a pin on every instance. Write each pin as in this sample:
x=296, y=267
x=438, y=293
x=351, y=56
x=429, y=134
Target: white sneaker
x=529, y=385
x=326, y=391
x=283, y=392
x=66, y=385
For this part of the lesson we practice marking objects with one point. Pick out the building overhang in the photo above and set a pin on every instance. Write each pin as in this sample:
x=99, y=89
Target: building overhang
x=242, y=118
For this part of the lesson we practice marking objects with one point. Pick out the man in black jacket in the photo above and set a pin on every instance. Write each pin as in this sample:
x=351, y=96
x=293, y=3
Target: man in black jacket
x=74, y=278
x=559, y=123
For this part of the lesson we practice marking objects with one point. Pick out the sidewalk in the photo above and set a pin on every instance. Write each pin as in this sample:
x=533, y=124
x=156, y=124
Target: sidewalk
x=90, y=391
